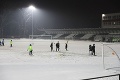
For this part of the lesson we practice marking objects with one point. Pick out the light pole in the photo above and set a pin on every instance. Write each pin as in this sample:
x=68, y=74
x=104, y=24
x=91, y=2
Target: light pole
x=32, y=8
x=103, y=15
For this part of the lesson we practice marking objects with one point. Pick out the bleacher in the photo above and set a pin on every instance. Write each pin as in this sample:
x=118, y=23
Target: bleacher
x=63, y=36
x=78, y=36
x=98, y=38
x=98, y=34
x=71, y=36
x=57, y=36
x=86, y=36
x=108, y=38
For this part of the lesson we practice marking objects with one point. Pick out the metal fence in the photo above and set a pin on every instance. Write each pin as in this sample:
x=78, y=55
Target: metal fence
x=109, y=77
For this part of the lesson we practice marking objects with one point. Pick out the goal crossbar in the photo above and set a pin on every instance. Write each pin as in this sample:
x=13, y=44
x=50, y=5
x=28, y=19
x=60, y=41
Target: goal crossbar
x=40, y=36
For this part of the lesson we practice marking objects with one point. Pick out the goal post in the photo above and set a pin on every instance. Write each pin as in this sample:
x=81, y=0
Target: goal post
x=40, y=37
x=111, y=55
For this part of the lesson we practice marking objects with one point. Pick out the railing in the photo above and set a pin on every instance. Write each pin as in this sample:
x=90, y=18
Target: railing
x=109, y=77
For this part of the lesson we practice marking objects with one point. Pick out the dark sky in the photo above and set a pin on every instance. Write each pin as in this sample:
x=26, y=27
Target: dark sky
x=66, y=13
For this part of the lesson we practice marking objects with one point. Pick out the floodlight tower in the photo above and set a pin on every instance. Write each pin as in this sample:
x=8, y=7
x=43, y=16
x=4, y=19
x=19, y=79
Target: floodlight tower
x=32, y=8
x=103, y=15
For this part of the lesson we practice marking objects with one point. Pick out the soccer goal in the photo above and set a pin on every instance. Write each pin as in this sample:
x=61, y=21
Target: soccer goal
x=111, y=55
x=40, y=37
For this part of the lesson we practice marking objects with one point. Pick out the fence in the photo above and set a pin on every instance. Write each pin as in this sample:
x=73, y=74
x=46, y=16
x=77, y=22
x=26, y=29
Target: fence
x=109, y=77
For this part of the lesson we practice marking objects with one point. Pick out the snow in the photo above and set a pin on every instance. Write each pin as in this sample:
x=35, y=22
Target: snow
x=74, y=64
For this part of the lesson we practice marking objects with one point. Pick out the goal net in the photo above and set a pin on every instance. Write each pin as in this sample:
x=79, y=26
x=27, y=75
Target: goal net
x=40, y=37
x=111, y=55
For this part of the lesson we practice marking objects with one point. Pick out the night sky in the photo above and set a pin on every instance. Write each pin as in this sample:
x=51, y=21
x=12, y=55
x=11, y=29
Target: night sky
x=61, y=14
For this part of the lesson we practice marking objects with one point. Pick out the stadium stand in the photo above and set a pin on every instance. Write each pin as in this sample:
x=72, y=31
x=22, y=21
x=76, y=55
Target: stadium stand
x=57, y=36
x=86, y=36
x=97, y=34
x=63, y=36
x=71, y=36
x=78, y=36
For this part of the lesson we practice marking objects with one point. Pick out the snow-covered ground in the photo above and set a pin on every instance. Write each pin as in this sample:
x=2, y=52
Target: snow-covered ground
x=74, y=64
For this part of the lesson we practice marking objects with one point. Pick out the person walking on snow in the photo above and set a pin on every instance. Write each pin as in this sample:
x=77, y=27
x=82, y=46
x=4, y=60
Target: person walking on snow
x=30, y=49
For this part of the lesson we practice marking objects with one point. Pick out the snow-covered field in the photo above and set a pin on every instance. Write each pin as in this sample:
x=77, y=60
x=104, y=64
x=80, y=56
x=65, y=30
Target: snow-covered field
x=74, y=64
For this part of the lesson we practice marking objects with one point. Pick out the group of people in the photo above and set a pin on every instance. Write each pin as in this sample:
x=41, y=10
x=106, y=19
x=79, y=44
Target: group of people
x=30, y=49
x=92, y=50
x=58, y=46
x=2, y=43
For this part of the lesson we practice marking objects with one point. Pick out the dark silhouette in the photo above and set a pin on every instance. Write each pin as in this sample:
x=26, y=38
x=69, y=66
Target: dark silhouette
x=0, y=43
x=51, y=45
x=90, y=50
x=3, y=42
x=66, y=46
x=93, y=50
x=57, y=46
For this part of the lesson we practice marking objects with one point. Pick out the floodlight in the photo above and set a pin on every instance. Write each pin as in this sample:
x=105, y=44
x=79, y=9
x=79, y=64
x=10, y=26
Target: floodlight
x=32, y=7
x=103, y=15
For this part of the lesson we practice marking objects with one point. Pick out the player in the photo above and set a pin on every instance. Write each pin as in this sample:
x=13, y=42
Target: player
x=3, y=42
x=30, y=49
x=90, y=50
x=57, y=46
x=51, y=45
x=66, y=45
x=10, y=43
x=0, y=43
x=93, y=50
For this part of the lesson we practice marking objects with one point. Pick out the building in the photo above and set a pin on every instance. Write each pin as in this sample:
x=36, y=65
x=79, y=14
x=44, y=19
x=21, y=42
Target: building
x=111, y=20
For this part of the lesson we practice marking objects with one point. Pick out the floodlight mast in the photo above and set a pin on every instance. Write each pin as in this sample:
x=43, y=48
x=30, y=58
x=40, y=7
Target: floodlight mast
x=103, y=15
x=32, y=8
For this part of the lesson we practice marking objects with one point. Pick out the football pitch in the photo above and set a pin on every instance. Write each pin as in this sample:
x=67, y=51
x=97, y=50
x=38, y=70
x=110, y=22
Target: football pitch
x=74, y=64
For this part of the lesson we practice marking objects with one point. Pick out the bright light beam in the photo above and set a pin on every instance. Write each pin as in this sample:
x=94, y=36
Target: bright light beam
x=32, y=7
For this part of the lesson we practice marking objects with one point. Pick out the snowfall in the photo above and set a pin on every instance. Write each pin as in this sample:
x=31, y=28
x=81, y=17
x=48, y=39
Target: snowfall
x=74, y=64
